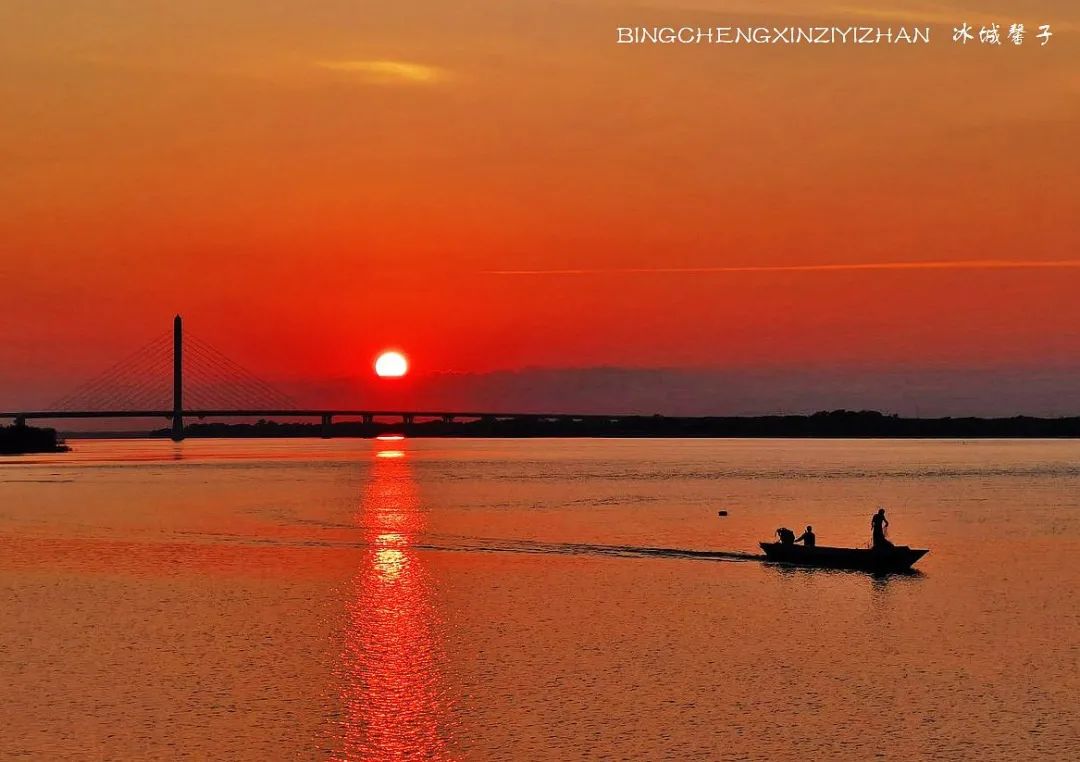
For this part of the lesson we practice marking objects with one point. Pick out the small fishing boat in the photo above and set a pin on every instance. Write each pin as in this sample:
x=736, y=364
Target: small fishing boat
x=891, y=559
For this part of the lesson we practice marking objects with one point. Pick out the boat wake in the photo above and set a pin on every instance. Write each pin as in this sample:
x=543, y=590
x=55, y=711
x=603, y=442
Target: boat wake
x=586, y=549
x=465, y=544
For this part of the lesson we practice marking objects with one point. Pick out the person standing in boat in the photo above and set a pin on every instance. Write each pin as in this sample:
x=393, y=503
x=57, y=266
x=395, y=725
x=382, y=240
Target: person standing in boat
x=878, y=524
x=808, y=538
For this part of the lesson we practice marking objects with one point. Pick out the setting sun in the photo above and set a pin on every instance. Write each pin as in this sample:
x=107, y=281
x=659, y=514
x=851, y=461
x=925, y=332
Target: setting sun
x=391, y=365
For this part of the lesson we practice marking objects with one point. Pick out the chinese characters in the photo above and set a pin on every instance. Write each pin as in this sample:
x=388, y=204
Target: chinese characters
x=990, y=34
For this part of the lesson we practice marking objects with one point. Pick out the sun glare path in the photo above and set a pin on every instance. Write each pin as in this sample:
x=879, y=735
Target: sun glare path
x=394, y=705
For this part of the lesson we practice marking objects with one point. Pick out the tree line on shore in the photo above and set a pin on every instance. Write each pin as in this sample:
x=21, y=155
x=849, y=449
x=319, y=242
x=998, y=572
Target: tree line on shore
x=17, y=440
x=825, y=424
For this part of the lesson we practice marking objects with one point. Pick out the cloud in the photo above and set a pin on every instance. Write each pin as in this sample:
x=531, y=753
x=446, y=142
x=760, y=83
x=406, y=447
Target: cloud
x=964, y=264
x=385, y=71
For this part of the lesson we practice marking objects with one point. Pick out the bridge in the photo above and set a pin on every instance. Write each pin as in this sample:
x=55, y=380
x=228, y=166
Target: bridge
x=137, y=386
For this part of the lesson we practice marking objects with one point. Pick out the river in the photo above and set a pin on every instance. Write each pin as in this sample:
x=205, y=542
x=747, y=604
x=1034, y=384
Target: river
x=531, y=599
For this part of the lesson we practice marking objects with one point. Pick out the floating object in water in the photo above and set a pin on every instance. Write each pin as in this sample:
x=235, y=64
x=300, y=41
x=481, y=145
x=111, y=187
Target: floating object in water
x=721, y=513
x=894, y=558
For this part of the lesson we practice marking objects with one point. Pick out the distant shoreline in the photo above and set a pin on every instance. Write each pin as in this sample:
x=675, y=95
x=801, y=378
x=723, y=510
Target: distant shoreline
x=837, y=424
x=27, y=440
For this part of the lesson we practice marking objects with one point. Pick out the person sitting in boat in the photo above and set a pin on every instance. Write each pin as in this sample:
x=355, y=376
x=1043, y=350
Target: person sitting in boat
x=878, y=523
x=787, y=537
x=808, y=538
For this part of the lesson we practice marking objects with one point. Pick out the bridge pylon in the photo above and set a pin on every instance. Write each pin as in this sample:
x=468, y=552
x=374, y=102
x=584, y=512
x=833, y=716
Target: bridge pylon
x=178, y=380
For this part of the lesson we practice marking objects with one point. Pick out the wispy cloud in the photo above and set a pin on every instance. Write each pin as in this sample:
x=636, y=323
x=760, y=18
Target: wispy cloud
x=963, y=264
x=384, y=71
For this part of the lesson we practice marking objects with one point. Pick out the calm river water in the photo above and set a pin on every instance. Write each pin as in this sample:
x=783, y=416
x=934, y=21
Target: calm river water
x=520, y=600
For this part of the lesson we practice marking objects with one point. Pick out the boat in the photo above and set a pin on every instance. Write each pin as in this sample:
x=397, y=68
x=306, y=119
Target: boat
x=896, y=558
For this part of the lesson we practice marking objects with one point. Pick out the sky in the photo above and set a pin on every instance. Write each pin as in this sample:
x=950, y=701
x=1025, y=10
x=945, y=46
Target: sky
x=530, y=211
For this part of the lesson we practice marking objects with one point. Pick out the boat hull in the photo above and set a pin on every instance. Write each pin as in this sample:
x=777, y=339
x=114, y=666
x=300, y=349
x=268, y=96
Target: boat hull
x=896, y=558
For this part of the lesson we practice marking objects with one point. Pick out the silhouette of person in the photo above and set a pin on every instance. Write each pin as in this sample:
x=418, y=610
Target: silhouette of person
x=787, y=537
x=878, y=522
x=808, y=538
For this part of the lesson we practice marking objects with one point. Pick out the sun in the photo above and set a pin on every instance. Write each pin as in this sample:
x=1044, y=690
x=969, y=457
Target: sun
x=391, y=365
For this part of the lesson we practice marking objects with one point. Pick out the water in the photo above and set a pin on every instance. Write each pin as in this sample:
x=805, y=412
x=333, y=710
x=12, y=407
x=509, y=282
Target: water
x=535, y=600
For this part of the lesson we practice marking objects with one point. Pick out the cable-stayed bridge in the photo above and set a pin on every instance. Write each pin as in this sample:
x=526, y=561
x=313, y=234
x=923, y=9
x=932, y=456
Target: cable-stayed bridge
x=177, y=375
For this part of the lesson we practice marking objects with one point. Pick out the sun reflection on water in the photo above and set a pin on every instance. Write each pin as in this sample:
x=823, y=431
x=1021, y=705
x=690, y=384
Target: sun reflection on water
x=394, y=705
x=390, y=558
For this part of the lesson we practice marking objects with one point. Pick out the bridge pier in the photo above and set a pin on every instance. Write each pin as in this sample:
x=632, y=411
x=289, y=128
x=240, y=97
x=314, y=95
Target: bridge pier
x=327, y=426
x=20, y=421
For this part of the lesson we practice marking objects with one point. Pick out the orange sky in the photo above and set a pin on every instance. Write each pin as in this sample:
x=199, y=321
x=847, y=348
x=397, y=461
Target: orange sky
x=310, y=181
